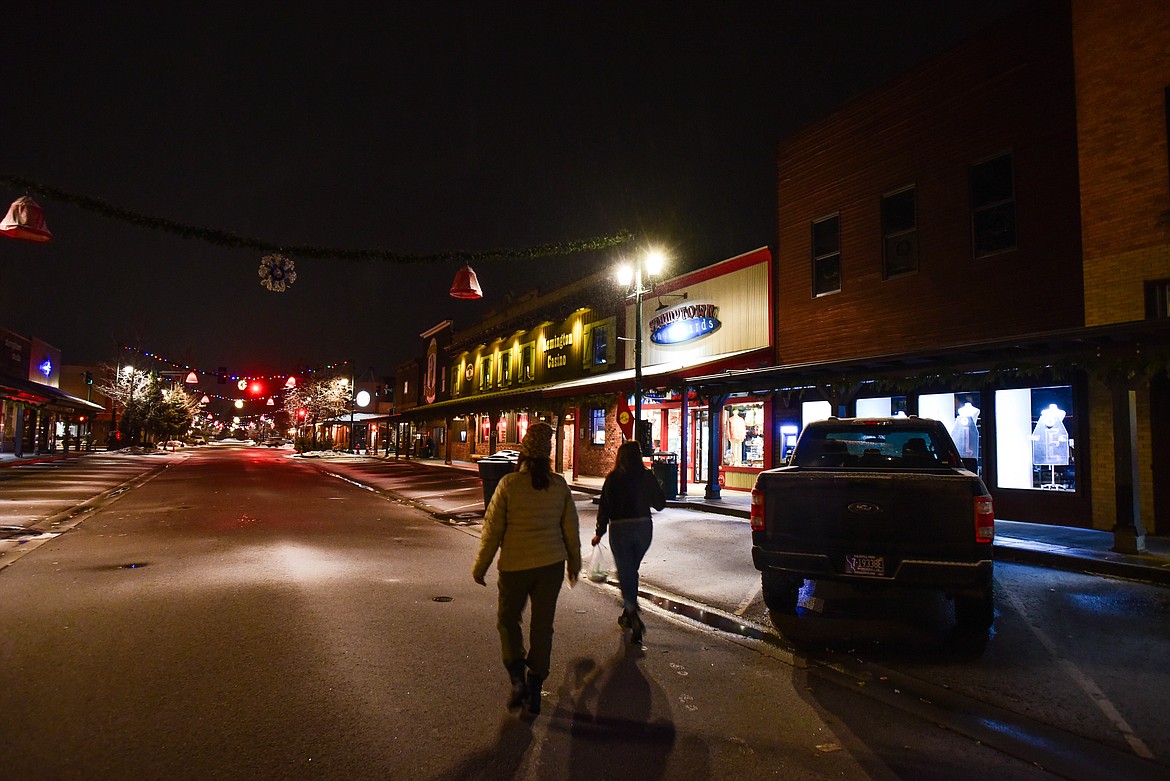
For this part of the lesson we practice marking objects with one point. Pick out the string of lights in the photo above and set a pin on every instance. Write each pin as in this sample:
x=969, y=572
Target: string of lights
x=235, y=240
x=326, y=369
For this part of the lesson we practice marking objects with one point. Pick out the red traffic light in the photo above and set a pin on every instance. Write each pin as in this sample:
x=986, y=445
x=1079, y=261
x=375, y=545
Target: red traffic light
x=301, y=413
x=255, y=388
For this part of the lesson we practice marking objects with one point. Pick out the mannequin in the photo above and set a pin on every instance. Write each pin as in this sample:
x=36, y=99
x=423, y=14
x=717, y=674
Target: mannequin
x=965, y=432
x=1050, y=438
x=736, y=432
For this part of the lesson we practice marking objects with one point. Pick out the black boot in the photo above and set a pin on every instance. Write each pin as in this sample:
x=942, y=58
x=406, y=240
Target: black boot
x=534, y=684
x=519, y=690
x=636, y=628
x=624, y=619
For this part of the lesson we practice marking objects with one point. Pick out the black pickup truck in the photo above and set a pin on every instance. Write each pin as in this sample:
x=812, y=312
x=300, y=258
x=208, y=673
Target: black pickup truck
x=876, y=502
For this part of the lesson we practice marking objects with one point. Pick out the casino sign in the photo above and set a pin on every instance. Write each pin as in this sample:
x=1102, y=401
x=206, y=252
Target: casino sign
x=684, y=323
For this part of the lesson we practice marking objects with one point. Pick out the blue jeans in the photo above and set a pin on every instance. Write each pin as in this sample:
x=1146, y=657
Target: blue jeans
x=629, y=538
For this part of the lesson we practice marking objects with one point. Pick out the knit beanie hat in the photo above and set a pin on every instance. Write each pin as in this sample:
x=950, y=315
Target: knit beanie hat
x=537, y=442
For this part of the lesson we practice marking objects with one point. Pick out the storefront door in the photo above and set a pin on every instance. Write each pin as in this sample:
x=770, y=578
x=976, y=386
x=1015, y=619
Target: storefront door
x=700, y=429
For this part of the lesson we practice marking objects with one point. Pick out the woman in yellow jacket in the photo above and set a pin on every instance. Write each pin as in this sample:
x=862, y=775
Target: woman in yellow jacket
x=532, y=522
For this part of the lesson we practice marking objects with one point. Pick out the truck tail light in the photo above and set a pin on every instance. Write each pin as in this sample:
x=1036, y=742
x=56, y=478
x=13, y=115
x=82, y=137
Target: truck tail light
x=984, y=519
x=757, y=516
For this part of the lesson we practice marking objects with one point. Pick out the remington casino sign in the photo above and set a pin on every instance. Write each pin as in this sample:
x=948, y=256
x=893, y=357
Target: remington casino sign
x=684, y=323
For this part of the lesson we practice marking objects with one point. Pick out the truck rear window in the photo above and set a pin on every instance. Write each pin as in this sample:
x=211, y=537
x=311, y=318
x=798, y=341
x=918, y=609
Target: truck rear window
x=872, y=447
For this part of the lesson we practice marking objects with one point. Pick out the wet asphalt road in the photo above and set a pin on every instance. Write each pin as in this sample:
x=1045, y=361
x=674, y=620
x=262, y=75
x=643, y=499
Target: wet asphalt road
x=242, y=614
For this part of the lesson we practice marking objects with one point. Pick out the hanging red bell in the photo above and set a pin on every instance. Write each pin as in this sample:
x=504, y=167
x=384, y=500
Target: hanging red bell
x=466, y=285
x=26, y=221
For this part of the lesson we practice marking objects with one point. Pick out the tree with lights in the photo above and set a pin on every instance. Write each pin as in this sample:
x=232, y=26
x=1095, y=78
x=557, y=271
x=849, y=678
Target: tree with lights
x=151, y=411
x=314, y=401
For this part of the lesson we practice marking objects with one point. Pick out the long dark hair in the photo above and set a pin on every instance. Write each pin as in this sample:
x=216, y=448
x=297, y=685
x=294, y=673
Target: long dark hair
x=629, y=459
x=538, y=469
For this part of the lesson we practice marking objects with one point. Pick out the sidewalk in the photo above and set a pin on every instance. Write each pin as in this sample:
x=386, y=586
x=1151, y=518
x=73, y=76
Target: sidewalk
x=1058, y=547
x=8, y=459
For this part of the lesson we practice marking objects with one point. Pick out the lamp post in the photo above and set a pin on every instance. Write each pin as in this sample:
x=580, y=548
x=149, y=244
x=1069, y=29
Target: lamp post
x=641, y=275
x=352, y=401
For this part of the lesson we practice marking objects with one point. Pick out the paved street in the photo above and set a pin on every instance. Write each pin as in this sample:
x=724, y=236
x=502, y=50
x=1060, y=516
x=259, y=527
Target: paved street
x=243, y=613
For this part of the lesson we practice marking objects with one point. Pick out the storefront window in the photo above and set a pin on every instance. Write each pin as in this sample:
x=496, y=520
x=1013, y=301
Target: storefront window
x=812, y=411
x=595, y=426
x=1035, y=448
x=743, y=435
x=886, y=407
x=959, y=412
x=521, y=425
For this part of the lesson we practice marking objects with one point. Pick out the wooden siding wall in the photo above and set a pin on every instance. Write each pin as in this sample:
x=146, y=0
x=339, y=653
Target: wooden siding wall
x=1011, y=89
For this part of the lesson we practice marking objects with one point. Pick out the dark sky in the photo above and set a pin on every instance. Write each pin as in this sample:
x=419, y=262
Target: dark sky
x=423, y=128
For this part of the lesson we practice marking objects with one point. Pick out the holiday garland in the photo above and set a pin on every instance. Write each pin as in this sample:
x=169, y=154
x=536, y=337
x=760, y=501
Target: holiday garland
x=235, y=240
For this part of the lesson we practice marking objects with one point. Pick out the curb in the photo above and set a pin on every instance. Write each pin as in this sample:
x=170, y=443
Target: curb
x=1070, y=562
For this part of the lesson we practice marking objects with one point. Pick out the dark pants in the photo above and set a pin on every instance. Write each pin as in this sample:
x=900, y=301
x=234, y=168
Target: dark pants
x=630, y=539
x=541, y=586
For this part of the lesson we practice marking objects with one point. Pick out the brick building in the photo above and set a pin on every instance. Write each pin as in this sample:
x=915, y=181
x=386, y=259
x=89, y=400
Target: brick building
x=984, y=240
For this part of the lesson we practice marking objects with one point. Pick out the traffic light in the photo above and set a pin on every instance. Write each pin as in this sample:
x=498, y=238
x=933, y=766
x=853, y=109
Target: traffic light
x=301, y=413
x=255, y=388
x=89, y=378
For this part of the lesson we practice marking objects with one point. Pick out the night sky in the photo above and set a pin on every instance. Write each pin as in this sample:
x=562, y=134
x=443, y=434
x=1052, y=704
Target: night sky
x=421, y=129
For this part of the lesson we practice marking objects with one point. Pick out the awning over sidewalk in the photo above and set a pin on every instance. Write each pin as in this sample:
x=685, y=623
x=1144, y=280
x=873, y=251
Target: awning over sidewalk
x=358, y=417
x=656, y=375
x=1141, y=343
x=44, y=395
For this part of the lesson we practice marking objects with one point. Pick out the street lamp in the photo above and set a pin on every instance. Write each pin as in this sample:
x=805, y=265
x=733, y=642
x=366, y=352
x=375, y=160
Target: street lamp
x=641, y=274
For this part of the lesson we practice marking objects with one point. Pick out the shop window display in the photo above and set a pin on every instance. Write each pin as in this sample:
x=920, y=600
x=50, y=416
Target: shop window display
x=885, y=407
x=596, y=426
x=959, y=412
x=812, y=411
x=743, y=440
x=1034, y=443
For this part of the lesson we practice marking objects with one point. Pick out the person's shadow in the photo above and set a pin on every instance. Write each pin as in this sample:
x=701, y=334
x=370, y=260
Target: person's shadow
x=611, y=732
x=500, y=761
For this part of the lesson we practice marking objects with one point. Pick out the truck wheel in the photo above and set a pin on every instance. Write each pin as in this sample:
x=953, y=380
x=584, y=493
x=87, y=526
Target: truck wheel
x=975, y=611
x=780, y=593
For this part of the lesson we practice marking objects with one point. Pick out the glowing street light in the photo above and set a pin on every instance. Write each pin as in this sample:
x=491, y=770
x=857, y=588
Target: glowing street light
x=640, y=273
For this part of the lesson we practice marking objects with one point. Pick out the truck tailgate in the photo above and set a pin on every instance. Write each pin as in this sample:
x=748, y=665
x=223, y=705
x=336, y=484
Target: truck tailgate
x=910, y=514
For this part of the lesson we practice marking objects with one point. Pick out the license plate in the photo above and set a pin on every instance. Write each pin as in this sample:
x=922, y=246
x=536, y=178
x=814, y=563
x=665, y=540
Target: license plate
x=866, y=565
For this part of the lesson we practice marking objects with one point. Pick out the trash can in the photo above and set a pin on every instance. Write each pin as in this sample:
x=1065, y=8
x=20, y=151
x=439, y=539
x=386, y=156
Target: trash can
x=491, y=469
x=665, y=469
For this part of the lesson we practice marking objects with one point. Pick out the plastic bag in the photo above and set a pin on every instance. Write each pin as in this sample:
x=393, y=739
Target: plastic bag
x=598, y=570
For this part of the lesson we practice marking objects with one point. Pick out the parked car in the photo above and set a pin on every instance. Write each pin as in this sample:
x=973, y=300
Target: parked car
x=876, y=502
x=273, y=442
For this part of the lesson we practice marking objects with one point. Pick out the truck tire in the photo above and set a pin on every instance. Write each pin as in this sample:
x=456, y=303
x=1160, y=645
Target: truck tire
x=780, y=592
x=975, y=611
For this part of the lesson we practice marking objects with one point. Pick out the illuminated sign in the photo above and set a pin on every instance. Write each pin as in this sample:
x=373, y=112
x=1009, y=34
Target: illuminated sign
x=46, y=367
x=684, y=323
x=429, y=379
x=560, y=342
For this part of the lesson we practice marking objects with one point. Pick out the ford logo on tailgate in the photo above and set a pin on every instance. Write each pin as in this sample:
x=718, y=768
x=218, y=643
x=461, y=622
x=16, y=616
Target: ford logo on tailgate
x=864, y=508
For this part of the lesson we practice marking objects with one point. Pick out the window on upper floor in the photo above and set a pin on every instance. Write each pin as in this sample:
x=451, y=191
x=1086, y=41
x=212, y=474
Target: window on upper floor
x=527, y=362
x=899, y=233
x=505, y=368
x=1158, y=299
x=826, y=255
x=485, y=373
x=993, y=206
x=596, y=352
